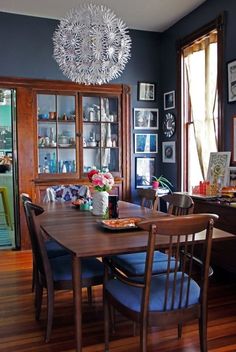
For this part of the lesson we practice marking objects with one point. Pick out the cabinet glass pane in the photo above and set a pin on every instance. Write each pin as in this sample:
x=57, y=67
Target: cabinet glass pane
x=91, y=158
x=56, y=134
x=66, y=107
x=110, y=159
x=66, y=134
x=100, y=133
x=109, y=109
x=46, y=105
x=67, y=160
x=91, y=135
x=91, y=109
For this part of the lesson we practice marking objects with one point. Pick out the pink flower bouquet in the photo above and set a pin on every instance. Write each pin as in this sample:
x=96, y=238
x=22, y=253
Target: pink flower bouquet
x=102, y=182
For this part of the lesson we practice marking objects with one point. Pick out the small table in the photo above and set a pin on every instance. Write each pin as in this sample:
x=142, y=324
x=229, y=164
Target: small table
x=80, y=233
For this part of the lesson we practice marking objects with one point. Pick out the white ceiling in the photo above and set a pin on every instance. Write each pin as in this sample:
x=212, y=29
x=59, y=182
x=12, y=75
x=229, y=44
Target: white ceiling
x=149, y=15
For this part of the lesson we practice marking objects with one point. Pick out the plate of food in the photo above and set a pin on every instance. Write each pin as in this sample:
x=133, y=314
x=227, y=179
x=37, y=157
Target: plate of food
x=121, y=224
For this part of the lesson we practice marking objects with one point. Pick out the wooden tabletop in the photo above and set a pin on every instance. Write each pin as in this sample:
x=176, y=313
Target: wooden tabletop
x=82, y=234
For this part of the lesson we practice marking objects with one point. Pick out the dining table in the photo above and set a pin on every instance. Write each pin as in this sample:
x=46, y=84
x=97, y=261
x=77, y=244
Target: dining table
x=84, y=235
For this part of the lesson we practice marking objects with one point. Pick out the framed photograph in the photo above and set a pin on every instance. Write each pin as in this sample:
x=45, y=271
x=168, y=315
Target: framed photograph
x=168, y=152
x=218, y=167
x=232, y=176
x=146, y=119
x=169, y=100
x=231, y=74
x=233, y=148
x=146, y=91
x=145, y=143
x=144, y=170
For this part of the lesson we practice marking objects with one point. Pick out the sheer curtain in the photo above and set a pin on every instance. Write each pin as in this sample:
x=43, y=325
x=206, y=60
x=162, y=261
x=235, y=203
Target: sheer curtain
x=200, y=61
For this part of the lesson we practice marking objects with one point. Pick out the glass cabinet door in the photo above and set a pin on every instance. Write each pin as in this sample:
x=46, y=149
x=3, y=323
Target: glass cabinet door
x=100, y=133
x=56, y=133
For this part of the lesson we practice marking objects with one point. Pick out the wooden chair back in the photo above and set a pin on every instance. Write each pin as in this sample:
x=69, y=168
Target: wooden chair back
x=38, y=243
x=181, y=233
x=148, y=198
x=179, y=204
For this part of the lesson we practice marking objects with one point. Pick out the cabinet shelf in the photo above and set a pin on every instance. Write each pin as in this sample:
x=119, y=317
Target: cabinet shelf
x=99, y=122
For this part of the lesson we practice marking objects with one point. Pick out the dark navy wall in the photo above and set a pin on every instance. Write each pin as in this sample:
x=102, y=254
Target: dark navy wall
x=198, y=18
x=26, y=51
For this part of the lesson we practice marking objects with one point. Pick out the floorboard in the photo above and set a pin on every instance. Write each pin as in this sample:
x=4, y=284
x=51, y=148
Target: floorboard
x=19, y=332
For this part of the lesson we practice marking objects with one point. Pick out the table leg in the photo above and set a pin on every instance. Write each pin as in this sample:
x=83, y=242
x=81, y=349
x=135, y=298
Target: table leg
x=77, y=295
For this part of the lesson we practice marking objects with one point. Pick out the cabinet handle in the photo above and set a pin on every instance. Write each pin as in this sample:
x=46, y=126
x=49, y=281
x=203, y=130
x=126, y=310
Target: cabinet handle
x=78, y=134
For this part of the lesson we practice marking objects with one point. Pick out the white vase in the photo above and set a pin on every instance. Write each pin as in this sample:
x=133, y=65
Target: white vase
x=100, y=203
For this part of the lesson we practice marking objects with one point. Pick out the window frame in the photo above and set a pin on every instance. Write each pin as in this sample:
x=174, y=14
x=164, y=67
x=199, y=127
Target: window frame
x=217, y=23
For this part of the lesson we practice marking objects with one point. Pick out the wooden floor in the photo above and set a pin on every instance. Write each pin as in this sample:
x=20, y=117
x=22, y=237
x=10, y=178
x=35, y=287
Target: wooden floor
x=19, y=332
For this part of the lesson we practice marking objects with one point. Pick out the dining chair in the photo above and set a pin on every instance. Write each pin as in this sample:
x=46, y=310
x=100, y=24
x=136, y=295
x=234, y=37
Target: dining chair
x=133, y=264
x=173, y=297
x=55, y=273
x=53, y=248
x=148, y=197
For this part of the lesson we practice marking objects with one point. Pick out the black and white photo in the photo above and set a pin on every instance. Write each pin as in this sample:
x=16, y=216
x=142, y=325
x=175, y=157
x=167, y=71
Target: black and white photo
x=144, y=172
x=146, y=118
x=146, y=91
x=231, y=67
x=169, y=100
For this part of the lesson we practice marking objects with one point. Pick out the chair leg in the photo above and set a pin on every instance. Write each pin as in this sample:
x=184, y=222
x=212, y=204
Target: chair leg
x=203, y=330
x=106, y=323
x=50, y=309
x=90, y=295
x=143, y=337
x=38, y=300
x=180, y=326
x=112, y=317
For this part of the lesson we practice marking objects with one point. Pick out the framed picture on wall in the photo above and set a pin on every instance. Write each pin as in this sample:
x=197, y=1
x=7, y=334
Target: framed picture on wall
x=144, y=171
x=169, y=100
x=146, y=91
x=231, y=74
x=232, y=176
x=146, y=119
x=218, y=167
x=233, y=147
x=145, y=143
x=168, y=152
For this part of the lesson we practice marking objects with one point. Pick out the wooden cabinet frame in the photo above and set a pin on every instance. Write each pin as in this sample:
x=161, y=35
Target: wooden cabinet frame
x=29, y=181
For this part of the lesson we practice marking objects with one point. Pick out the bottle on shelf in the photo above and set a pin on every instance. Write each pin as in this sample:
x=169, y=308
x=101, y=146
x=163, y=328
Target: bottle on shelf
x=46, y=165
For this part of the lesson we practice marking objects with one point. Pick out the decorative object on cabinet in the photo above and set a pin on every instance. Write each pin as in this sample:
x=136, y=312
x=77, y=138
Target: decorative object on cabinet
x=232, y=176
x=145, y=143
x=168, y=152
x=169, y=125
x=144, y=172
x=169, y=100
x=218, y=168
x=94, y=32
x=146, y=91
x=146, y=119
x=233, y=148
x=231, y=70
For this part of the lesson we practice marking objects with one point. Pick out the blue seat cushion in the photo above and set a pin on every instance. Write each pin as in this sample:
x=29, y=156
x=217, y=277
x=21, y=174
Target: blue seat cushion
x=54, y=249
x=62, y=268
x=134, y=264
x=131, y=296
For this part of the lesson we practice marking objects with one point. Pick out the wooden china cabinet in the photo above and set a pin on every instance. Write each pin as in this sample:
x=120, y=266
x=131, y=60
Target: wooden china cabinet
x=64, y=130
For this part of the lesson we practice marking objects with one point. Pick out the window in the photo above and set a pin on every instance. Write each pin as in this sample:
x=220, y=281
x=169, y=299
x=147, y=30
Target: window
x=200, y=101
